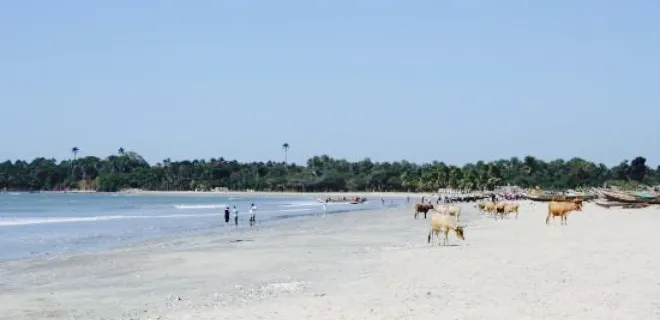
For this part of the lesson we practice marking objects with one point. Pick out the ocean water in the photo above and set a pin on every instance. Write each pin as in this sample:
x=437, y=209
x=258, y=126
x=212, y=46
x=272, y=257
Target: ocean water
x=46, y=224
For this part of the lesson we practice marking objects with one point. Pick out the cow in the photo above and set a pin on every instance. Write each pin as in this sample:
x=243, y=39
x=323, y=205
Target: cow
x=454, y=211
x=500, y=208
x=481, y=206
x=562, y=209
x=444, y=223
x=422, y=208
x=489, y=207
x=512, y=208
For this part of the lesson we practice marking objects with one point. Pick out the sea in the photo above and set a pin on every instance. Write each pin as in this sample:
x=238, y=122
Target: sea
x=50, y=224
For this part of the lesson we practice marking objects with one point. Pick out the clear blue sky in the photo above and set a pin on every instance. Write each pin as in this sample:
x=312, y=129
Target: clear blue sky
x=456, y=81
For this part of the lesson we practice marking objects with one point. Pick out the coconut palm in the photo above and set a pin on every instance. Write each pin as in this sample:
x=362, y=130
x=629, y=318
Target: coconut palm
x=121, y=151
x=75, y=151
x=286, y=147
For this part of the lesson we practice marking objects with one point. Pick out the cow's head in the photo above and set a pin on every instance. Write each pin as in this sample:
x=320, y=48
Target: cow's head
x=578, y=204
x=459, y=232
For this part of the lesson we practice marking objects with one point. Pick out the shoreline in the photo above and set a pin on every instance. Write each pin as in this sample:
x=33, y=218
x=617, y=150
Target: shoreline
x=361, y=265
x=217, y=228
x=367, y=194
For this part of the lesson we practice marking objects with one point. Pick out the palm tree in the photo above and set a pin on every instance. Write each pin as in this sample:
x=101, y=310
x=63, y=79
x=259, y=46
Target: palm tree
x=286, y=147
x=121, y=151
x=75, y=150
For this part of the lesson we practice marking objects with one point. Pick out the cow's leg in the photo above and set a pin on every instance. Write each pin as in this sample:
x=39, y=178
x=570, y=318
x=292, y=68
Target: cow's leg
x=425, y=214
x=547, y=219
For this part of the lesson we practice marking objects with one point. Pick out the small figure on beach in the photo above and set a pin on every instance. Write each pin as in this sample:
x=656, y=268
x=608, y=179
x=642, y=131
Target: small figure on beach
x=227, y=215
x=408, y=199
x=253, y=215
x=235, y=216
x=382, y=201
x=324, y=209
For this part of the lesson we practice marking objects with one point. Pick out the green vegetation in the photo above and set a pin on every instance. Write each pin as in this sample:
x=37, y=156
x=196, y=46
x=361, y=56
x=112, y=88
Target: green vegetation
x=129, y=170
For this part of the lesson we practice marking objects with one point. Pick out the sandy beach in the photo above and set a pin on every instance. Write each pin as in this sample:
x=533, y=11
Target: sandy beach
x=369, y=265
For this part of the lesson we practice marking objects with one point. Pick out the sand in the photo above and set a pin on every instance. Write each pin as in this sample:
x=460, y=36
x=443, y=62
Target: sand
x=365, y=265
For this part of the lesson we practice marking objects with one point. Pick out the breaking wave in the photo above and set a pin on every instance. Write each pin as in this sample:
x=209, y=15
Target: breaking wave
x=12, y=222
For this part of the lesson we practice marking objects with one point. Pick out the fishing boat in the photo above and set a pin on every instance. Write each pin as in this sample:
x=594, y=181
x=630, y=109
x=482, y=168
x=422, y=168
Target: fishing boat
x=623, y=205
x=556, y=196
x=626, y=197
x=538, y=196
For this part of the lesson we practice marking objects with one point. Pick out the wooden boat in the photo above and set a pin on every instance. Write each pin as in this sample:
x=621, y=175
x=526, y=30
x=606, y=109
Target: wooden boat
x=618, y=196
x=625, y=197
x=635, y=205
x=609, y=204
x=538, y=196
x=558, y=196
x=623, y=205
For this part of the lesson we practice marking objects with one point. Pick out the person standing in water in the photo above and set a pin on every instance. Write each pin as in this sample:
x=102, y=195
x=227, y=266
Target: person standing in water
x=226, y=215
x=235, y=216
x=253, y=215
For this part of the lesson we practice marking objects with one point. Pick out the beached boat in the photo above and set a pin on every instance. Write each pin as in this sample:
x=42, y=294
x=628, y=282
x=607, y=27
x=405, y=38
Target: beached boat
x=623, y=205
x=626, y=197
x=555, y=196
x=538, y=196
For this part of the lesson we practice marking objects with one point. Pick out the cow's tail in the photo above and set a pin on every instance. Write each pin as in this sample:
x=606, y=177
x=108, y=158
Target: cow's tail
x=428, y=240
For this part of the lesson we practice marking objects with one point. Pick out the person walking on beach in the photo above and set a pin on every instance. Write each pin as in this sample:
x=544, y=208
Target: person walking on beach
x=253, y=215
x=226, y=215
x=235, y=216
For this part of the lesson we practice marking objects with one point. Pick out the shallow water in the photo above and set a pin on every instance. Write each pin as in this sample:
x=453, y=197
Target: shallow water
x=44, y=224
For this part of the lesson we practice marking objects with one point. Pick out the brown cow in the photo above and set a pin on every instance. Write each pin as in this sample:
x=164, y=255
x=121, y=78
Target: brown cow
x=561, y=209
x=512, y=208
x=488, y=207
x=481, y=206
x=423, y=208
x=500, y=208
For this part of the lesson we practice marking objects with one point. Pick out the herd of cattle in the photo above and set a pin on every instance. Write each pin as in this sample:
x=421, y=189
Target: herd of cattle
x=445, y=218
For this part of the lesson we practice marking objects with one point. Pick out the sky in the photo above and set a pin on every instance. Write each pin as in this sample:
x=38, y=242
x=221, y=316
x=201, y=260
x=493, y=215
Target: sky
x=453, y=81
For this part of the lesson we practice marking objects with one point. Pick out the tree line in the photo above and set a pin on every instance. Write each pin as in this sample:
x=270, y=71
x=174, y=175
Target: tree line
x=320, y=174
